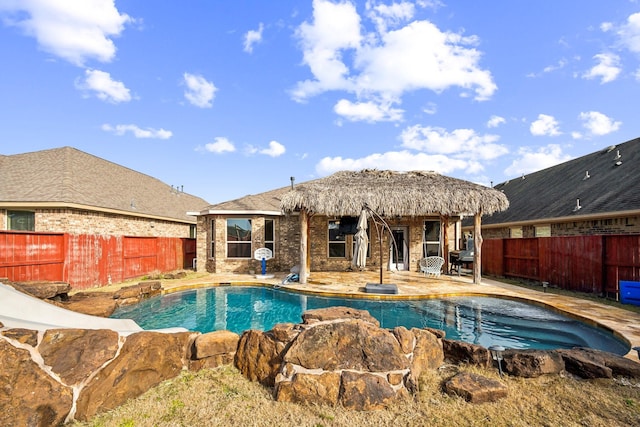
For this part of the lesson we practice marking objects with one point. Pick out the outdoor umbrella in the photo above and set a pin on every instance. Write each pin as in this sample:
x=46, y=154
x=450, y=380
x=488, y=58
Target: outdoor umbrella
x=362, y=242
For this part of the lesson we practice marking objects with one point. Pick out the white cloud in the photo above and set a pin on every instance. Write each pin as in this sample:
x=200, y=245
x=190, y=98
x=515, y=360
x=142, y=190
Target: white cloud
x=137, y=131
x=629, y=33
x=275, y=149
x=460, y=143
x=75, y=30
x=221, y=145
x=599, y=124
x=104, y=87
x=495, y=121
x=367, y=111
x=395, y=160
x=253, y=37
x=607, y=69
x=385, y=16
x=545, y=126
x=530, y=161
x=386, y=64
x=200, y=92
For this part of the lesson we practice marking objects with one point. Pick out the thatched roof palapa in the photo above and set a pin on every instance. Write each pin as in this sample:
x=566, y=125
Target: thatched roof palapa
x=391, y=193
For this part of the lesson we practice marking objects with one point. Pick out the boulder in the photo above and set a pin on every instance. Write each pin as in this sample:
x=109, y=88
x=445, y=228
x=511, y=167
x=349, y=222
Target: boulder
x=258, y=356
x=74, y=354
x=28, y=395
x=585, y=365
x=427, y=354
x=100, y=304
x=145, y=360
x=24, y=336
x=350, y=344
x=310, y=389
x=334, y=313
x=461, y=352
x=475, y=388
x=532, y=363
x=592, y=363
x=214, y=344
x=44, y=290
x=619, y=365
x=365, y=391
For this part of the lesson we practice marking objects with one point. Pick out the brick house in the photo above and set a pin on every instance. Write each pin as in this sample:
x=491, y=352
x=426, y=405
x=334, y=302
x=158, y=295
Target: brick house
x=66, y=215
x=70, y=191
x=422, y=211
x=595, y=194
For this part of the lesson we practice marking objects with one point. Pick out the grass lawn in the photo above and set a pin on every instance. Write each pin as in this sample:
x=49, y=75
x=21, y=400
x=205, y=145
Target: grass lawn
x=223, y=397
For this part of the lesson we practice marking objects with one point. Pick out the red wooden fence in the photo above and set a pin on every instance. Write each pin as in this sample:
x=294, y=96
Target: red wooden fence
x=594, y=264
x=89, y=260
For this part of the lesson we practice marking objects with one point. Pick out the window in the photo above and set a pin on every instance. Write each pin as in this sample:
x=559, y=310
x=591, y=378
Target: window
x=431, y=239
x=192, y=231
x=212, y=233
x=269, y=235
x=337, y=243
x=543, y=231
x=21, y=220
x=515, y=233
x=238, y=238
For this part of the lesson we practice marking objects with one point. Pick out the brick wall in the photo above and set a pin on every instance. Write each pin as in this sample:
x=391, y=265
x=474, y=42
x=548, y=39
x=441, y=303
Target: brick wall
x=622, y=225
x=287, y=245
x=76, y=221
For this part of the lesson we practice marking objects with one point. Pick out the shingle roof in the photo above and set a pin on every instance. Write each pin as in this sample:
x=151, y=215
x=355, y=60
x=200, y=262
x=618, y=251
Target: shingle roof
x=552, y=193
x=263, y=202
x=67, y=176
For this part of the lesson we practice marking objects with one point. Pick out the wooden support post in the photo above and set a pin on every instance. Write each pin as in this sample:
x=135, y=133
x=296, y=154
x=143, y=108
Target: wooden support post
x=477, y=248
x=445, y=243
x=304, y=228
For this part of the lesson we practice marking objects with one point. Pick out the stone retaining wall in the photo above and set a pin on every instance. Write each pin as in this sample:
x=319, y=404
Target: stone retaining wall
x=335, y=356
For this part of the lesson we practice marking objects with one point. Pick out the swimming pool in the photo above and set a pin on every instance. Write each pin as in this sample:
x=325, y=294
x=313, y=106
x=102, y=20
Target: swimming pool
x=480, y=320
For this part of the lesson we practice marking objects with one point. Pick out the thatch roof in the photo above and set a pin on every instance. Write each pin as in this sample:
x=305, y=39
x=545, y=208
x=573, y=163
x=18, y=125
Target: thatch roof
x=390, y=193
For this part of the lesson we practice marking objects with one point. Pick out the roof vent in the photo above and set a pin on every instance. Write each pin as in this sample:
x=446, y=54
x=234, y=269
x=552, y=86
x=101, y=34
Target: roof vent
x=618, y=163
x=577, y=207
x=522, y=176
x=611, y=148
x=618, y=156
x=586, y=176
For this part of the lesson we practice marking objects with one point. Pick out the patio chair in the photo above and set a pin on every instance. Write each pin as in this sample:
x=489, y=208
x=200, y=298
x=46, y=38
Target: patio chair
x=431, y=265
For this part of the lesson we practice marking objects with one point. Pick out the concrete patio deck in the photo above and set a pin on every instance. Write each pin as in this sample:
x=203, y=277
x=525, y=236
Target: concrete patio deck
x=413, y=284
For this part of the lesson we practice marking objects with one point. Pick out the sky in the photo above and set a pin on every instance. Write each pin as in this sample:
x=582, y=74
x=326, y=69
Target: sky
x=230, y=98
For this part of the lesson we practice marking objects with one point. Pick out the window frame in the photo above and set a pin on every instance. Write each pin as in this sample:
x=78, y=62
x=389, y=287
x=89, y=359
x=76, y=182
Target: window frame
x=31, y=220
x=247, y=242
x=426, y=243
x=270, y=243
x=338, y=242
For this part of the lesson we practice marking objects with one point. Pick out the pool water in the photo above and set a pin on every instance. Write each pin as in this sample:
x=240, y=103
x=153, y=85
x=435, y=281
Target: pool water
x=483, y=320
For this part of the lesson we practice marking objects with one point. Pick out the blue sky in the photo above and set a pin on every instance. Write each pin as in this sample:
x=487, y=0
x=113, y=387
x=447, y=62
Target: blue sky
x=229, y=98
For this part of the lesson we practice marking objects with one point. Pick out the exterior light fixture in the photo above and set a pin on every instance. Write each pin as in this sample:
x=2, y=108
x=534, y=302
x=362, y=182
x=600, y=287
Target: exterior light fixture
x=496, y=354
x=637, y=349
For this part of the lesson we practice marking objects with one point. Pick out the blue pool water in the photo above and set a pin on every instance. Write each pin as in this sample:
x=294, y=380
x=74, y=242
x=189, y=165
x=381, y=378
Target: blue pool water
x=480, y=320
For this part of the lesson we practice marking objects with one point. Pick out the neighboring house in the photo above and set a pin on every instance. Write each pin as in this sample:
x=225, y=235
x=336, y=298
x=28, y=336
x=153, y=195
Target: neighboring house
x=421, y=209
x=66, y=215
x=70, y=191
x=594, y=194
